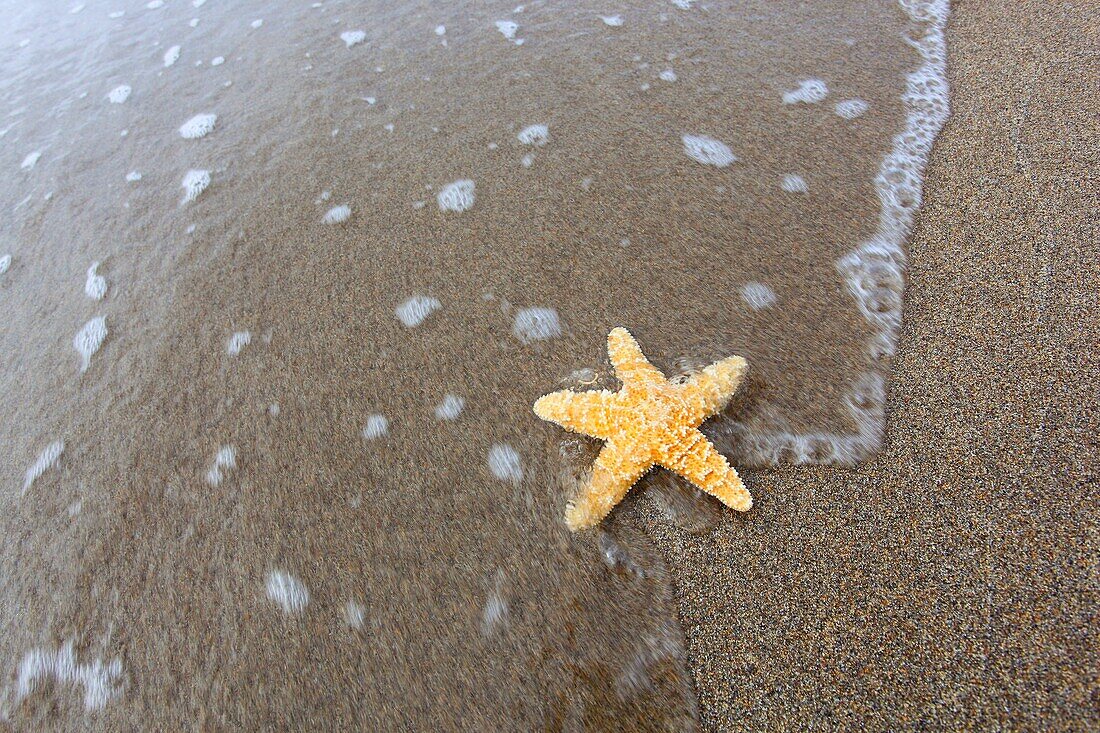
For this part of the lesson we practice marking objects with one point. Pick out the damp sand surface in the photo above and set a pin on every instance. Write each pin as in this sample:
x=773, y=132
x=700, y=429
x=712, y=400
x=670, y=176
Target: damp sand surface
x=259, y=517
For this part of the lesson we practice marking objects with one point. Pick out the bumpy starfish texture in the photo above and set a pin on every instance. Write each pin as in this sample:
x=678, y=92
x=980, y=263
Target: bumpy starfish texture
x=649, y=422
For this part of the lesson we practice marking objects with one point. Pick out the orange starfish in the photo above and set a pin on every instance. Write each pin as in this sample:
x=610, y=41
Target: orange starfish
x=650, y=421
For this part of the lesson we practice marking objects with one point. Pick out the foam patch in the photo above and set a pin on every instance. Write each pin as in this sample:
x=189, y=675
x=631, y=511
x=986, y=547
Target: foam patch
x=354, y=614
x=505, y=463
x=457, y=196
x=337, y=214
x=237, y=342
x=171, y=56
x=534, y=135
x=288, y=592
x=850, y=109
x=198, y=126
x=708, y=151
x=119, y=94
x=224, y=461
x=377, y=427
x=810, y=91
x=194, y=183
x=536, y=324
x=794, y=184
x=353, y=38
x=494, y=617
x=46, y=460
x=101, y=682
x=31, y=160
x=508, y=29
x=95, y=285
x=449, y=408
x=415, y=310
x=88, y=340
x=758, y=296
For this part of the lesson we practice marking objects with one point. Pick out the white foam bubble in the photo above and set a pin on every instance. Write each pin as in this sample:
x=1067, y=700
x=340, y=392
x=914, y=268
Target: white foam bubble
x=505, y=463
x=194, y=183
x=536, y=324
x=5, y=263
x=352, y=38
x=708, y=151
x=88, y=340
x=354, y=614
x=224, y=461
x=119, y=94
x=31, y=160
x=414, y=310
x=668, y=75
x=494, y=616
x=237, y=342
x=534, y=135
x=441, y=30
x=46, y=460
x=449, y=408
x=457, y=196
x=528, y=160
x=793, y=183
x=171, y=56
x=810, y=91
x=217, y=61
x=133, y=176
x=288, y=592
x=612, y=20
x=257, y=23
x=100, y=681
x=507, y=28
x=850, y=109
x=682, y=4
x=95, y=285
x=154, y=4
x=377, y=426
x=337, y=214
x=758, y=295
x=198, y=3
x=198, y=126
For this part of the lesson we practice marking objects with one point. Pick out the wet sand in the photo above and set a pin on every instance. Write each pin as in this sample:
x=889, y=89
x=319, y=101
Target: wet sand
x=950, y=583
x=845, y=597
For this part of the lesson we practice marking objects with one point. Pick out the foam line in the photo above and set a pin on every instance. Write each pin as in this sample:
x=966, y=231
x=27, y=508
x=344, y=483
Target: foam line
x=874, y=272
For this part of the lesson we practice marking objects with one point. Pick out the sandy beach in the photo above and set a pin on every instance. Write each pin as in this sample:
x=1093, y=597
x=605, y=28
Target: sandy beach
x=299, y=486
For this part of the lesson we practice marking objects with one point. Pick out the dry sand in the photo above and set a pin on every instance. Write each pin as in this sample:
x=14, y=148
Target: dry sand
x=950, y=582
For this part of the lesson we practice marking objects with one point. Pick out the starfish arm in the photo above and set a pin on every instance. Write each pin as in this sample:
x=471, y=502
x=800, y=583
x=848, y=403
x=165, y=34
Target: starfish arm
x=708, y=391
x=591, y=413
x=631, y=366
x=702, y=464
x=613, y=473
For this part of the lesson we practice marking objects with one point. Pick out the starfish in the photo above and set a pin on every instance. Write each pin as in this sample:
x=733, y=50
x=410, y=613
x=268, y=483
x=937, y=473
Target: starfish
x=650, y=421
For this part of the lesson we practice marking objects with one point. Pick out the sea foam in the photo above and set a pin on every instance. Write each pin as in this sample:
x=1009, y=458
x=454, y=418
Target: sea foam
x=708, y=151
x=198, y=126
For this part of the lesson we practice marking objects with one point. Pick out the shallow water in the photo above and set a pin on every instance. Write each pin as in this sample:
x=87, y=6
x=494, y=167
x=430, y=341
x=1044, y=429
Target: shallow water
x=262, y=509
